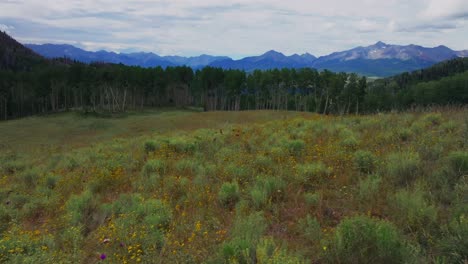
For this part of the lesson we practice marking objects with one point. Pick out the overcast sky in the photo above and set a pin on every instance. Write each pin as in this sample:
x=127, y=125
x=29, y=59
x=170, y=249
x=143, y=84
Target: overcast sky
x=236, y=27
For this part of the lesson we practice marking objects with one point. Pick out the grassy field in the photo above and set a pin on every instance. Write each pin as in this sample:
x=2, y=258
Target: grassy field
x=182, y=186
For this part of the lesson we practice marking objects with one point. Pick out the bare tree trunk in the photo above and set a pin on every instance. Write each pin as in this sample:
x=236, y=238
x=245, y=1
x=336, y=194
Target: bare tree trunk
x=6, y=108
x=124, y=100
x=326, y=104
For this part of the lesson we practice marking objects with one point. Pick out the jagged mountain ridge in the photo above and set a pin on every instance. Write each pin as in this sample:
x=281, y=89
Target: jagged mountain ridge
x=379, y=59
x=143, y=59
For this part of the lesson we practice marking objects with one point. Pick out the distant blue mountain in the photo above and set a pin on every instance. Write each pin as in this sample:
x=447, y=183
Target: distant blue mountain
x=379, y=59
x=270, y=60
x=383, y=59
x=142, y=59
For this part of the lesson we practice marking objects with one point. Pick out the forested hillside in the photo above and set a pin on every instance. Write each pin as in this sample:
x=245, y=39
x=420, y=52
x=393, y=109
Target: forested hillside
x=441, y=84
x=14, y=56
x=62, y=85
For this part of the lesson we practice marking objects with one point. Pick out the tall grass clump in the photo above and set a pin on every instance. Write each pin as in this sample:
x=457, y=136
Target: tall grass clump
x=368, y=189
x=313, y=173
x=156, y=166
x=84, y=210
x=365, y=161
x=246, y=234
x=310, y=229
x=313, y=198
x=239, y=173
x=229, y=193
x=458, y=162
x=433, y=119
x=186, y=166
x=11, y=163
x=155, y=213
x=362, y=239
x=266, y=190
x=182, y=145
x=151, y=146
x=348, y=139
x=268, y=252
x=263, y=163
x=404, y=134
x=5, y=219
x=133, y=212
x=453, y=246
x=30, y=178
x=410, y=210
x=295, y=146
x=403, y=167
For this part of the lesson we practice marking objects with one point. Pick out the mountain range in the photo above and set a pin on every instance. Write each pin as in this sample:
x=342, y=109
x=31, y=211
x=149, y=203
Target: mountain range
x=379, y=59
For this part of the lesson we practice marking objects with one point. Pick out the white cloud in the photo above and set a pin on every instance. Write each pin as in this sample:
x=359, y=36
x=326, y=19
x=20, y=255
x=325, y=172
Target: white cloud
x=451, y=9
x=6, y=28
x=236, y=27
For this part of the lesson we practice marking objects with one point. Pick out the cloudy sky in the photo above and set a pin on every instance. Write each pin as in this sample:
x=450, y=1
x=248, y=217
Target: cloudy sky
x=236, y=27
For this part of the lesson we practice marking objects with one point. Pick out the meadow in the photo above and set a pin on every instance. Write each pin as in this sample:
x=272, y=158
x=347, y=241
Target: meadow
x=184, y=186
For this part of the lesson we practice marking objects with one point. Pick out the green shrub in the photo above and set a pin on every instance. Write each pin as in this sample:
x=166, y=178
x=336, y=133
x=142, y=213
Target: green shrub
x=349, y=142
x=151, y=146
x=312, y=173
x=453, y=245
x=51, y=181
x=369, y=188
x=204, y=174
x=277, y=153
x=35, y=208
x=182, y=145
x=186, y=166
x=229, y=193
x=263, y=163
x=348, y=138
x=295, y=147
x=84, y=209
x=30, y=178
x=152, y=212
x=11, y=163
x=432, y=119
x=404, y=134
x=449, y=126
x=18, y=200
x=310, y=229
x=246, y=233
x=154, y=167
x=259, y=196
x=458, y=162
x=312, y=198
x=240, y=173
x=267, y=189
x=22, y=247
x=267, y=252
x=5, y=219
x=365, y=240
x=411, y=210
x=155, y=213
x=403, y=168
x=365, y=161
x=428, y=150
x=176, y=186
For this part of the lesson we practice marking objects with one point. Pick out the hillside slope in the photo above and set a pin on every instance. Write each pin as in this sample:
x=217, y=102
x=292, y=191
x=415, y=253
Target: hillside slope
x=14, y=56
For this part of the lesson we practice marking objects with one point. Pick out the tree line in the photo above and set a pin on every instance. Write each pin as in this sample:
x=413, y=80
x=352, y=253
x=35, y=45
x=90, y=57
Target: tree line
x=117, y=88
x=112, y=88
x=30, y=84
